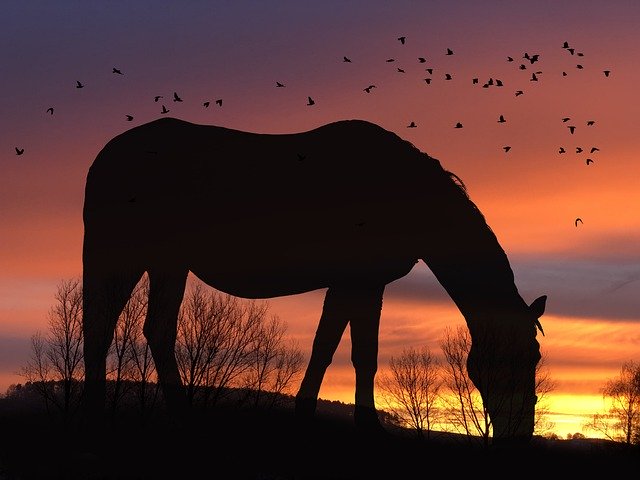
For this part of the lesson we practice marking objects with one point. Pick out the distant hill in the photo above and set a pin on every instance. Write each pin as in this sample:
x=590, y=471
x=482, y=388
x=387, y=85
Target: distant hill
x=232, y=442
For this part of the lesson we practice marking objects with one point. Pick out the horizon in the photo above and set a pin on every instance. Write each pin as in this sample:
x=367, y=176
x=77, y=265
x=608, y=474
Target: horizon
x=530, y=195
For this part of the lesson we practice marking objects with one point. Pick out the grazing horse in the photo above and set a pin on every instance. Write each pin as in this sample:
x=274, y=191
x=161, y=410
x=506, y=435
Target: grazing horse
x=348, y=207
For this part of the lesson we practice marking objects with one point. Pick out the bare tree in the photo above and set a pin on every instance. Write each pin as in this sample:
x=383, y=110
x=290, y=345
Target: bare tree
x=622, y=422
x=56, y=362
x=544, y=386
x=215, y=335
x=273, y=365
x=411, y=389
x=465, y=410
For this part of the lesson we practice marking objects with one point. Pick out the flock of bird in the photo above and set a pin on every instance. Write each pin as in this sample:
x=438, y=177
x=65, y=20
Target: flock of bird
x=527, y=61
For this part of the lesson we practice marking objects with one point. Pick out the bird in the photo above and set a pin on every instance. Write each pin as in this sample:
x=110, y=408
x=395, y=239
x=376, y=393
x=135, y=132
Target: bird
x=580, y=54
x=499, y=83
x=571, y=128
x=533, y=78
x=279, y=85
x=176, y=98
x=566, y=119
x=458, y=125
x=429, y=71
x=578, y=149
x=115, y=70
x=565, y=45
x=606, y=72
x=368, y=89
x=301, y=157
x=522, y=66
x=591, y=122
x=402, y=39
x=50, y=110
x=78, y=84
x=428, y=80
x=571, y=50
x=588, y=161
x=157, y=97
x=534, y=58
x=449, y=51
x=501, y=119
x=19, y=151
x=594, y=149
x=509, y=59
x=389, y=60
x=219, y=102
x=310, y=101
x=205, y=104
x=164, y=110
x=422, y=59
x=506, y=148
x=519, y=92
x=579, y=67
x=578, y=220
x=474, y=81
x=562, y=150
x=564, y=74
x=447, y=76
x=129, y=117
x=412, y=125
x=346, y=59
x=400, y=70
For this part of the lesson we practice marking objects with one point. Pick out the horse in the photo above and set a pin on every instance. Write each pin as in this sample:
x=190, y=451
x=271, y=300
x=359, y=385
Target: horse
x=347, y=207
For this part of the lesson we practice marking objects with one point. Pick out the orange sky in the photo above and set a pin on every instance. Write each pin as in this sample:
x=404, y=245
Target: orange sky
x=530, y=195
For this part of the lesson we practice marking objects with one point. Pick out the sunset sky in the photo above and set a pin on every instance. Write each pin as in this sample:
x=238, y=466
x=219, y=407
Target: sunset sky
x=237, y=51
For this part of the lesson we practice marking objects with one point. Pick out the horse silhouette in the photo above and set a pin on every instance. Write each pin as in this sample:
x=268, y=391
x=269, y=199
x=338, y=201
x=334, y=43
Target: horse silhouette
x=348, y=207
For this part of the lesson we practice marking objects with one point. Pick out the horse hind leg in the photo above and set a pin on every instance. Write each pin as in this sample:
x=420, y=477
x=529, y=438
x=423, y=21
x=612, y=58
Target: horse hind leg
x=105, y=293
x=166, y=291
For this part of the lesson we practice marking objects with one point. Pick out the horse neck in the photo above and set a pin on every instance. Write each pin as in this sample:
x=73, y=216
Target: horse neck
x=467, y=259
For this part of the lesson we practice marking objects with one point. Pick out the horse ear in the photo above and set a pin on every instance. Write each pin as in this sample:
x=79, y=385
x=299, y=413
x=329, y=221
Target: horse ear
x=538, y=305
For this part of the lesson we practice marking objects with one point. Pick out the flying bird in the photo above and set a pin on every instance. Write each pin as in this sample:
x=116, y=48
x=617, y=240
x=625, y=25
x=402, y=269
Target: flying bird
x=571, y=50
x=205, y=104
x=578, y=220
x=164, y=110
x=591, y=122
x=176, y=98
x=571, y=128
x=474, y=81
x=501, y=119
x=129, y=117
x=310, y=101
x=412, y=125
x=400, y=70
x=564, y=74
x=402, y=39
x=422, y=59
x=565, y=45
x=447, y=76
x=301, y=157
x=594, y=149
x=506, y=148
x=499, y=83
x=509, y=59
x=368, y=89
x=588, y=161
x=562, y=150
x=280, y=85
x=519, y=92
x=219, y=102
x=606, y=72
x=115, y=70
x=566, y=119
x=458, y=125
x=449, y=51
x=579, y=67
x=345, y=59
x=533, y=78
x=522, y=66
x=19, y=151
x=428, y=80
x=430, y=71
x=78, y=84
x=578, y=149
x=389, y=60
x=157, y=97
x=50, y=110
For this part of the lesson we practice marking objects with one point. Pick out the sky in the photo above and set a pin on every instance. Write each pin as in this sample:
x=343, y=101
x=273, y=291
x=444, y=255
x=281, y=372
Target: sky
x=236, y=51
